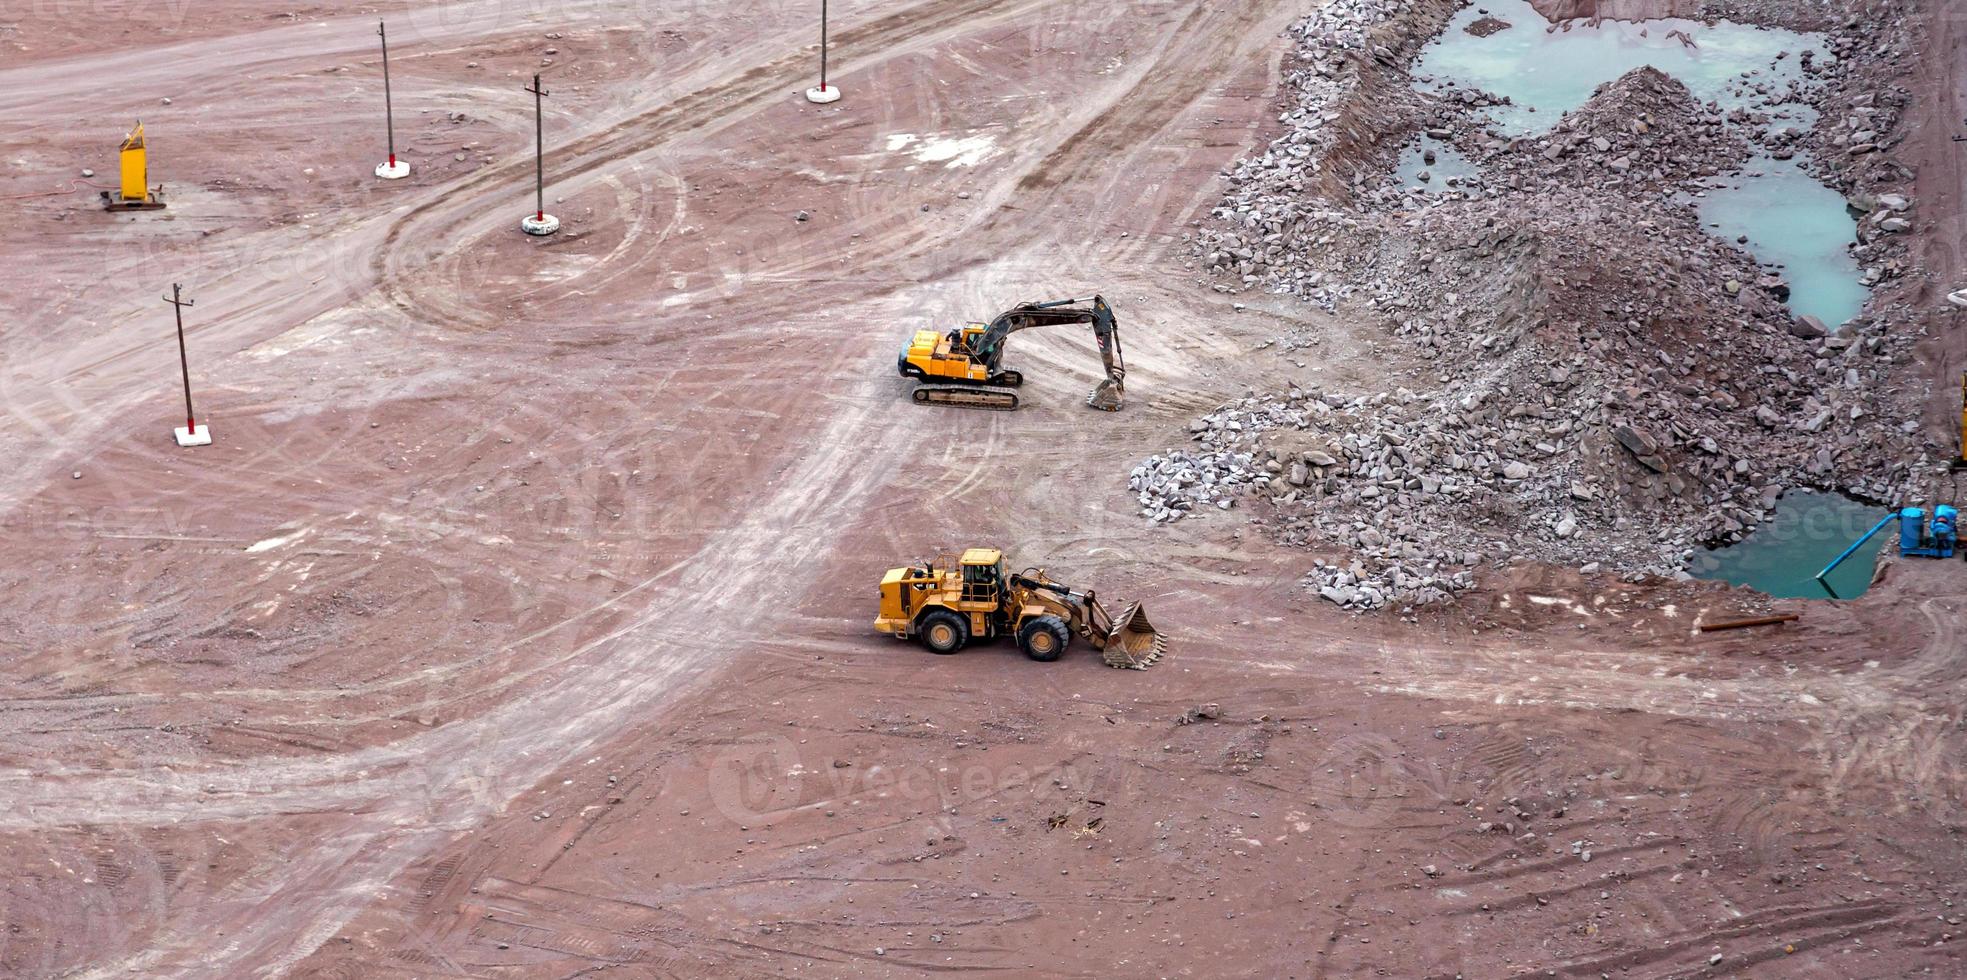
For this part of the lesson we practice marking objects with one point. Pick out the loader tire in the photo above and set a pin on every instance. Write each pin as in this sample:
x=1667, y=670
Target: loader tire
x=1044, y=639
x=944, y=632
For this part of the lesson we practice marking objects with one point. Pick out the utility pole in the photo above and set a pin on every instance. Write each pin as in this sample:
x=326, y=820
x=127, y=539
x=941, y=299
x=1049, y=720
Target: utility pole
x=539, y=222
x=192, y=434
x=823, y=94
x=392, y=169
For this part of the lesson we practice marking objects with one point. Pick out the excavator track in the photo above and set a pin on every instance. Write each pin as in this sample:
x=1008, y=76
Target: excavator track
x=967, y=396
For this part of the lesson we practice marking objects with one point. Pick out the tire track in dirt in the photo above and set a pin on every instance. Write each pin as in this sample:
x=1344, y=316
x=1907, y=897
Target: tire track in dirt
x=1211, y=34
x=1900, y=730
x=1941, y=189
x=1167, y=86
x=453, y=776
x=241, y=311
x=496, y=754
x=700, y=113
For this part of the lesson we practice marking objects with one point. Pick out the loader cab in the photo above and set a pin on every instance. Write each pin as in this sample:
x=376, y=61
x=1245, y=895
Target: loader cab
x=983, y=576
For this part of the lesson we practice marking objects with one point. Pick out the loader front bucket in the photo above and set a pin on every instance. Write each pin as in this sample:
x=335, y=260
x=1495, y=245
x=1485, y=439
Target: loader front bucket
x=1108, y=396
x=1134, y=643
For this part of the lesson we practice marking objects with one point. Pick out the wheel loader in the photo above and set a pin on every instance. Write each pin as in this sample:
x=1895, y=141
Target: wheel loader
x=965, y=367
x=951, y=602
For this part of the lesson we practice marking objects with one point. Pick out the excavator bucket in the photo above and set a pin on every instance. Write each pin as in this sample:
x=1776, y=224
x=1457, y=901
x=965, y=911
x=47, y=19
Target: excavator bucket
x=1108, y=396
x=1134, y=643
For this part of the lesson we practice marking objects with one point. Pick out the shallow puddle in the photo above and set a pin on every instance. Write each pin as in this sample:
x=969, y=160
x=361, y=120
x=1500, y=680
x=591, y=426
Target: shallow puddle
x=1448, y=165
x=1808, y=531
x=1789, y=218
x=1547, y=73
x=1795, y=222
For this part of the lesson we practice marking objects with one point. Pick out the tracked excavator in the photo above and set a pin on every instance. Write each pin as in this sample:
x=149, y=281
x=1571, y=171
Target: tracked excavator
x=965, y=367
x=954, y=601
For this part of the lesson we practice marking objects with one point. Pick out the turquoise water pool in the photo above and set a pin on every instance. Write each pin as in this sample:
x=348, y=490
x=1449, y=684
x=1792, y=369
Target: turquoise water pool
x=1793, y=221
x=1547, y=73
x=1807, y=532
x=1789, y=218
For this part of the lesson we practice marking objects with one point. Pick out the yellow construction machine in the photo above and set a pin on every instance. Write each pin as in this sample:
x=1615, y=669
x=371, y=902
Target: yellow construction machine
x=1960, y=463
x=965, y=367
x=951, y=602
x=134, y=192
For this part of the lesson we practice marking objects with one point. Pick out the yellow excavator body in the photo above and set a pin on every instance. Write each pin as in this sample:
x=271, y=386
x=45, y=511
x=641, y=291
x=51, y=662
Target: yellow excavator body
x=947, y=357
x=952, y=601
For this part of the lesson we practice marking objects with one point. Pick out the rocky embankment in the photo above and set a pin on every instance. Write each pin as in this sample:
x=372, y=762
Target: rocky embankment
x=1613, y=387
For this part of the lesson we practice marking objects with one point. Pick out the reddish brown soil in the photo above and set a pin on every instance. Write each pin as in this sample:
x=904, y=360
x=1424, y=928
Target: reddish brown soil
x=517, y=622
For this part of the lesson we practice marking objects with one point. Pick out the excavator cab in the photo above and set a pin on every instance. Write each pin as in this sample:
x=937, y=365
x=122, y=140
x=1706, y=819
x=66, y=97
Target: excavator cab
x=962, y=341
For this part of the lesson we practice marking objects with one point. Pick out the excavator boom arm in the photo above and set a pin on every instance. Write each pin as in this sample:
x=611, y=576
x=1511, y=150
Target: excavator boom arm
x=1093, y=310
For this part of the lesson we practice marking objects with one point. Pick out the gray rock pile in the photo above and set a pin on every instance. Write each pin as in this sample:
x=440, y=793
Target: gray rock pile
x=1607, y=383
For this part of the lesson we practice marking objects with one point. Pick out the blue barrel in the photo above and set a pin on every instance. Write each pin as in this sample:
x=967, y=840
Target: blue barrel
x=1912, y=529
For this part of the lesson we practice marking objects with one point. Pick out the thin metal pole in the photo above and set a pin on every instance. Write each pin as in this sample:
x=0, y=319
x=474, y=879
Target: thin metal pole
x=539, y=151
x=388, y=102
x=822, y=45
x=178, y=303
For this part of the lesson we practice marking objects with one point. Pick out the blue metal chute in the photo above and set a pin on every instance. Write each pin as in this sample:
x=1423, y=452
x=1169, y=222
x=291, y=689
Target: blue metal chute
x=1839, y=560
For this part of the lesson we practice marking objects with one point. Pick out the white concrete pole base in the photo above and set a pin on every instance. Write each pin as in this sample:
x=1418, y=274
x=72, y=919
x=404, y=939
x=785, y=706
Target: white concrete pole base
x=393, y=171
x=823, y=94
x=199, y=436
x=540, y=224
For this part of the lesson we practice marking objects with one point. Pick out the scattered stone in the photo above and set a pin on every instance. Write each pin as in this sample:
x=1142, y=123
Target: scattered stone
x=1606, y=384
x=1201, y=712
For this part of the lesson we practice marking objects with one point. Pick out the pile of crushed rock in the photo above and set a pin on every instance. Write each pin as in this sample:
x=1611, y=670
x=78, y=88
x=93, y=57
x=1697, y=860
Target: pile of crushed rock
x=1617, y=388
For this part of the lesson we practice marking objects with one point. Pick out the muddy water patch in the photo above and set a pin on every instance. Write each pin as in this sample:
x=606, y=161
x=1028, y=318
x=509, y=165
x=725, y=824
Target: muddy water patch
x=1789, y=220
x=1807, y=531
x=1434, y=165
x=1547, y=71
x=1798, y=225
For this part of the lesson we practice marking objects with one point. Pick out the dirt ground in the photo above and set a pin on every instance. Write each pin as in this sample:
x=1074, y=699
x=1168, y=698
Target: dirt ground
x=517, y=623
